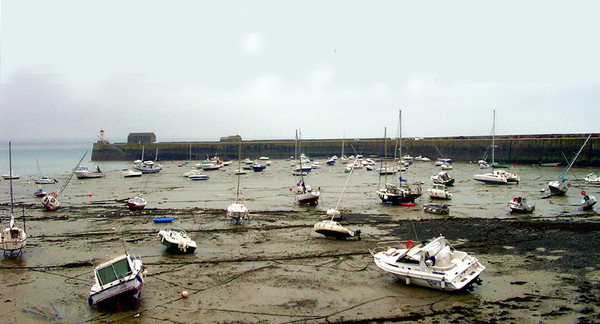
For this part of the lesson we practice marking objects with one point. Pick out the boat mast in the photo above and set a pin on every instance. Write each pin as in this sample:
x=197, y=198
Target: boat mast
x=343, y=142
x=385, y=167
x=11, y=188
x=300, y=156
x=576, y=156
x=400, y=143
x=237, y=193
x=143, y=147
x=493, y=136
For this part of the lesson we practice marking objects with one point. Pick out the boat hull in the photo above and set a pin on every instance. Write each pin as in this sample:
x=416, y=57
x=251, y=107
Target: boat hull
x=123, y=295
x=309, y=198
x=334, y=230
x=398, y=199
x=176, y=243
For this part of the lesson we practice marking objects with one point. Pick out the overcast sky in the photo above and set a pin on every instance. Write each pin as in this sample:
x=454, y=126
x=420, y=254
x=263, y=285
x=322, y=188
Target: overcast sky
x=205, y=69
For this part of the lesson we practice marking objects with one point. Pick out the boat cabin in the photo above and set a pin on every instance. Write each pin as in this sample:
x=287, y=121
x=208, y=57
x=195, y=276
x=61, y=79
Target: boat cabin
x=113, y=271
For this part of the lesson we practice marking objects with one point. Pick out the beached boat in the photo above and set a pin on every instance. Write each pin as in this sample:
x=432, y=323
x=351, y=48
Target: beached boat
x=436, y=208
x=434, y=264
x=162, y=219
x=446, y=166
x=237, y=211
x=40, y=193
x=136, y=203
x=177, y=240
x=131, y=174
x=561, y=186
x=497, y=177
x=83, y=172
x=45, y=180
x=588, y=201
x=521, y=205
x=118, y=282
x=439, y=191
x=10, y=176
x=12, y=238
x=304, y=193
x=197, y=177
x=592, y=178
x=443, y=178
x=147, y=166
x=400, y=193
x=256, y=167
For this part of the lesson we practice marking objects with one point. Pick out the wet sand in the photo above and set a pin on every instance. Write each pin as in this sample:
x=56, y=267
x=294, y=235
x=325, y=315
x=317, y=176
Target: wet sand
x=274, y=268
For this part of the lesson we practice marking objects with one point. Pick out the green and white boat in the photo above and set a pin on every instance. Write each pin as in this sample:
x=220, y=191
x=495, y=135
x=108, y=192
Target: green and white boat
x=177, y=240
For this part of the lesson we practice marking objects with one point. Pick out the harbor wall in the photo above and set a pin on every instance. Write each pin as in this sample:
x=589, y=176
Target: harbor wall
x=519, y=149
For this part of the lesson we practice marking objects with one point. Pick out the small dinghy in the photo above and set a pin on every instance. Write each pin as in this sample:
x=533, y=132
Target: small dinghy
x=434, y=264
x=588, y=201
x=521, y=205
x=436, y=208
x=177, y=240
x=41, y=193
x=162, y=219
x=131, y=174
x=136, y=203
x=118, y=283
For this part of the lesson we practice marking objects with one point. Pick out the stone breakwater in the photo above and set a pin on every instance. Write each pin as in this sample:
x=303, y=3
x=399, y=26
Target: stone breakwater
x=520, y=149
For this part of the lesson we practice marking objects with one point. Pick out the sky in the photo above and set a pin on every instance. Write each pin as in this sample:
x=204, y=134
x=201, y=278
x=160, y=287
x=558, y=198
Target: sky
x=199, y=70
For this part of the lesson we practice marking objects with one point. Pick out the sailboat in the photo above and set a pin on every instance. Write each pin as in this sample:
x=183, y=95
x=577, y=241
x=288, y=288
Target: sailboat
x=560, y=187
x=43, y=179
x=304, y=193
x=237, y=211
x=147, y=166
x=12, y=238
x=331, y=228
x=401, y=193
x=51, y=202
x=496, y=176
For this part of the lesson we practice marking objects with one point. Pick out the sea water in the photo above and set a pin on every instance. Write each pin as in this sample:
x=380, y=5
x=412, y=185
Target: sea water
x=53, y=157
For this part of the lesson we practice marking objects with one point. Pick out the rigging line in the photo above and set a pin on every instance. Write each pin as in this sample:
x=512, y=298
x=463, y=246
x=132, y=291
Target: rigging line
x=70, y=176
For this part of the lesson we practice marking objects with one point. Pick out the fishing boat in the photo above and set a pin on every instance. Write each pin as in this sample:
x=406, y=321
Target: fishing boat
x=588, y=201
x=131, y=174
x=400, y=193
x=237, y=211
x=331, y=228
x=439, y=191
x=443, y=178
x=521, y=205
x=45, y=180
x=434, y=264
x=304, y=193
x=436, y=208
x=50, y=202
x=561, y=186
x=83, y=172
x=118, y=282
x=177, y=240
x=12, y=238
x=136, y=203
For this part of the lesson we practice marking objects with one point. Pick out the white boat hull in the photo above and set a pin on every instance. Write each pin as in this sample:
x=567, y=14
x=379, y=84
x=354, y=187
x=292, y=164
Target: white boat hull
x=333, y=229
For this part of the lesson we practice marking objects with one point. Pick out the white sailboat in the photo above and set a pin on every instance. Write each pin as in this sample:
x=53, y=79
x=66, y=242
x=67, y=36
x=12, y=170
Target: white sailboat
x=12, y=238
x=331, y=228
x=304, y=193
x=237, y=211
x=496, y=176
x=561, y=186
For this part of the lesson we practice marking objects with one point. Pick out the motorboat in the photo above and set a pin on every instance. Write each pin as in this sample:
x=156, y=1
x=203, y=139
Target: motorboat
x=443, y=178
x=256, y=167
x=131, y=174
x=263, y=158
x=592, y=178
x=136, y=203
x=240, y=171
x=331, y=228
x=9, y=176
x=177, y=240
x=387, y=170
x=40, y=193
x=422, y=158
x=45, y=180
x=497, y=177
x=147, y=166
x=198, y=177
x=484, y=165
x=83, y=172
x=211, y=167
x=118, y=282
x=439, y=191
x=436, y=208
x=12, y=238
x=434, y=264
x=331, y=161
x=446, y=166
x=588, y=201
x=521, y=205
